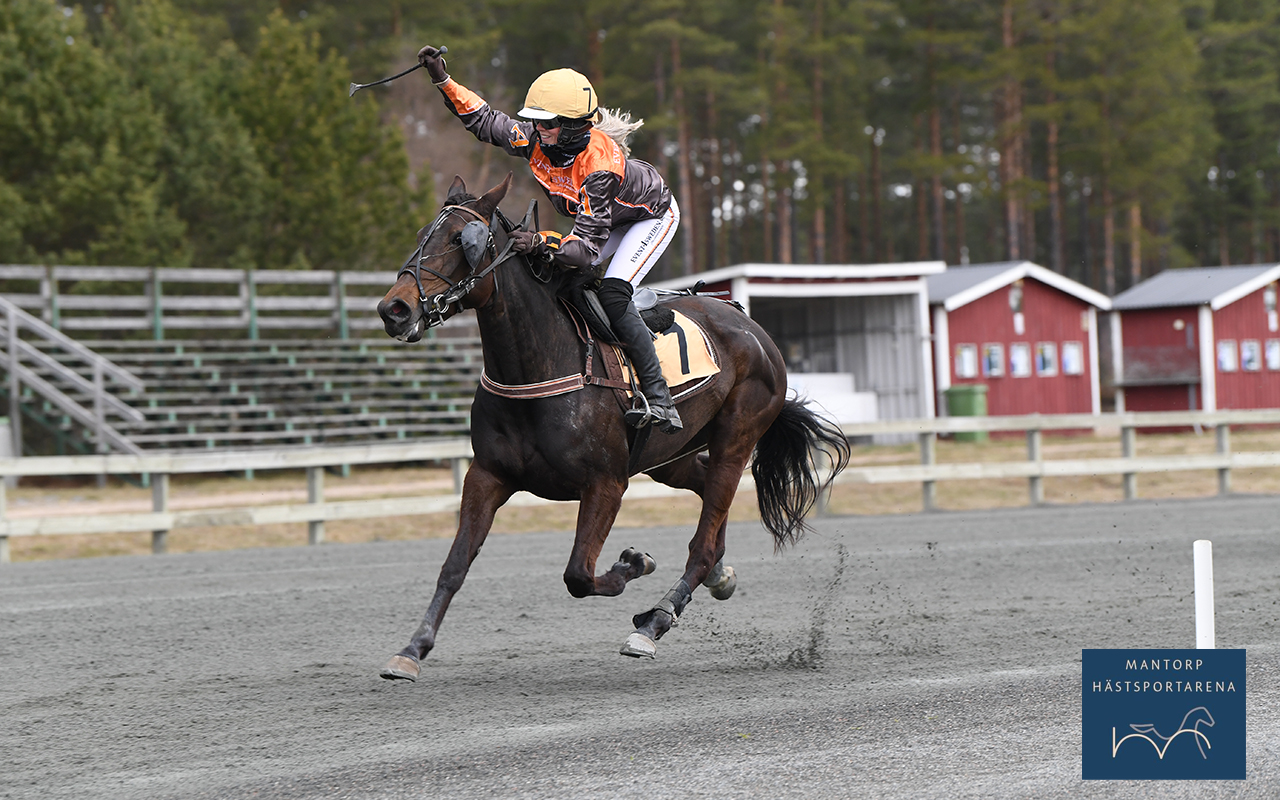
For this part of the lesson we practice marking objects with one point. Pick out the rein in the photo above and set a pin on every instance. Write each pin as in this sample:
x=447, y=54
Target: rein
x=435, y=307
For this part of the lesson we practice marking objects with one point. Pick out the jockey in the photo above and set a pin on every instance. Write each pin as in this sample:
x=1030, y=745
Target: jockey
x=622, y=210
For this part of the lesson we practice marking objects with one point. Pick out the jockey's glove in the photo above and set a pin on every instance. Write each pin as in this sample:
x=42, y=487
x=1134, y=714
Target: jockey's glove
x=429, y=57
x=533, y=243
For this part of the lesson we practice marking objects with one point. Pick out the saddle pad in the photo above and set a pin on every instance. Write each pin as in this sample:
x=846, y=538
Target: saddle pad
x=686, y=357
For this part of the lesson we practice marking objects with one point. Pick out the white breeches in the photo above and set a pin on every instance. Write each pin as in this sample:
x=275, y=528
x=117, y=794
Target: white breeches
x=635, y=248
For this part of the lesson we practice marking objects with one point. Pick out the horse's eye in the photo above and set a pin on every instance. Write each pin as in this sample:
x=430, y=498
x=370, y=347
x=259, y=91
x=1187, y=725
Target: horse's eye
x=457, y=239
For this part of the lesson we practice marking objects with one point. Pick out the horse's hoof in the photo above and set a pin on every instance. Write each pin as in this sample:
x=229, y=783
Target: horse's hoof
x=400, y=668
x=647, y=564
x=639, y=646
x=721, y=582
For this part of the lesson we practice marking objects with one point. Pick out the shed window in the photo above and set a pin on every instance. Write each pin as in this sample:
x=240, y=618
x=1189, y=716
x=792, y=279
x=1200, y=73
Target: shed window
x=1072, y=358
x=1020, y=360
x=993, y=360
x=1273, y=354
x=1227, y=361
x=966, y=361
x=1250, y=355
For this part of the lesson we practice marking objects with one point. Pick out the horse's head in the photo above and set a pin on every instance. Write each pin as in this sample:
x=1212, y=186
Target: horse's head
x=446, y=272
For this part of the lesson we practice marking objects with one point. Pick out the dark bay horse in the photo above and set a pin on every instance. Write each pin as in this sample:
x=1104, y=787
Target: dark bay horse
x=575, y=445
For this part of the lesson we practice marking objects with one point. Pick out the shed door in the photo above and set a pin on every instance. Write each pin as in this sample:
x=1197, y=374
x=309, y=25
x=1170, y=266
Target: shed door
x=876, y=339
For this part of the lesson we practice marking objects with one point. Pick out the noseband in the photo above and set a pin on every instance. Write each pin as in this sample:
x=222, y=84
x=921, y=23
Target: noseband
x=435, y=307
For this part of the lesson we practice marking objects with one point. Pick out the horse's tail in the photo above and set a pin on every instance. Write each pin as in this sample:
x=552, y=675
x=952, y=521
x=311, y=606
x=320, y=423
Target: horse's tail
x=785, y=471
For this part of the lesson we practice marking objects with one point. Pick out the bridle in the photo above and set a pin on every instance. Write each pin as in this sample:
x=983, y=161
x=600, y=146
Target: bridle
x=476, y=240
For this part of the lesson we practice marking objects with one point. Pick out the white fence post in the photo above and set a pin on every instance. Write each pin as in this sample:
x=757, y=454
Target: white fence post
x=1223, y=431
x=460, y=467
x=929, y=457
x=1128, y=444
x=315, y=496
x=160, y=505
x=4, y=512
x=1035, y=484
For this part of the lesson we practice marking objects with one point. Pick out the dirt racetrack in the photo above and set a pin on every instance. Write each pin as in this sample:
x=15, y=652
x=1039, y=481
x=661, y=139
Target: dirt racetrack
x=901, y=656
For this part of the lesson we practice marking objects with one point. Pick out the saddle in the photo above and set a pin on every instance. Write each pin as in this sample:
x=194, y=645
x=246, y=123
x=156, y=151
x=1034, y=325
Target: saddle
x=586, y=302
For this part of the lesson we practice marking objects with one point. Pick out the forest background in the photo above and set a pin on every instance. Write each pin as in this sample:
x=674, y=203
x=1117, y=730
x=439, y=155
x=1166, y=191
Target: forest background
x=1105, y=139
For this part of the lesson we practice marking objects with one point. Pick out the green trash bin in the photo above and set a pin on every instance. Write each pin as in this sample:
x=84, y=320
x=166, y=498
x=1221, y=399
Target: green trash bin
x=968, y=400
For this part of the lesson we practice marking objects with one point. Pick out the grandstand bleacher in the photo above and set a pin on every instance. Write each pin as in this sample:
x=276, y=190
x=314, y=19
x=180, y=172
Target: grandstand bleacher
x=244, y=394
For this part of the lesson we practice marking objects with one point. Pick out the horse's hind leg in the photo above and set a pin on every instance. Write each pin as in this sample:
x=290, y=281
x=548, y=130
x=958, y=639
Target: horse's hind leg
x=719, y=479
x=691, y=474
x=597, y=510
x=482, y=494
x=722, y=580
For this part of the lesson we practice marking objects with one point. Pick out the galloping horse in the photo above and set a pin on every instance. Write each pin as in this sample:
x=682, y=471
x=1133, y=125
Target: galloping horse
x=561, y=440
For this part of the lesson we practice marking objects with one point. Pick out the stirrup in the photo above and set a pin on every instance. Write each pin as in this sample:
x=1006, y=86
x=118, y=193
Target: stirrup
x=638, y=416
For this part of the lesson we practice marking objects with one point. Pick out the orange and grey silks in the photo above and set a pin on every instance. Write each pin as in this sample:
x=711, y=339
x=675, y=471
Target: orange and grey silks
x=601, y=189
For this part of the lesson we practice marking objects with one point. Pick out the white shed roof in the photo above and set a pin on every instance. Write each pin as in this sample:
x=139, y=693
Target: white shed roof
x=819, y=272
x=959, y=286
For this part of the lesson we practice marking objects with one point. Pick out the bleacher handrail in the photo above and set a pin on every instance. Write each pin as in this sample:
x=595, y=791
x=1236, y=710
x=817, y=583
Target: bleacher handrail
x=16, y=320
x=56, y=337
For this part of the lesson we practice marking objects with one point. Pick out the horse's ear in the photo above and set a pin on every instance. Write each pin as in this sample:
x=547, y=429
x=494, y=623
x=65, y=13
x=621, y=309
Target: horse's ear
x=486, y=205
x=457, y=187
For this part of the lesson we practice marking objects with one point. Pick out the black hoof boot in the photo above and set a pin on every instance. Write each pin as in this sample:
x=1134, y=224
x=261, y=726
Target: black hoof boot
x=643, y=563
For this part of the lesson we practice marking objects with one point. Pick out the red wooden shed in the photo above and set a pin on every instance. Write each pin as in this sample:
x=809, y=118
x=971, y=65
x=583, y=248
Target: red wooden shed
x=1027, y=333
x=1198, y=339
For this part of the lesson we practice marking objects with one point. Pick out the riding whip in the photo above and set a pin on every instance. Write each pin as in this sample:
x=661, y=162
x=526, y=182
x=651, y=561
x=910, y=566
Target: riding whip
x=355, y=87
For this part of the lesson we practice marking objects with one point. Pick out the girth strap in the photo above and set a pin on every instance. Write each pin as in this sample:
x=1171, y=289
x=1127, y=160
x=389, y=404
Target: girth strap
x=558, y=386
x=532, y=391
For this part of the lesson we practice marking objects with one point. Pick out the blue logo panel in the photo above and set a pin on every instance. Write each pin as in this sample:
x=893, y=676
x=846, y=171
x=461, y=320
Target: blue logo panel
x=1163, y=715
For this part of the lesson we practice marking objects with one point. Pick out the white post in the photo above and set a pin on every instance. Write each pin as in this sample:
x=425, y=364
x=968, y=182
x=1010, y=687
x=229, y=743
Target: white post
x=1203, y=557
x=4, y=512
x=160, y=505
x=1224, y=448
x=315, y=495
x=929, y=457
x=1128, y=448
x=1035, y=484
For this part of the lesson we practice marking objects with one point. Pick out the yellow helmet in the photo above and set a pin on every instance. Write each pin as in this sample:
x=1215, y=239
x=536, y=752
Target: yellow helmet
x=560, y=93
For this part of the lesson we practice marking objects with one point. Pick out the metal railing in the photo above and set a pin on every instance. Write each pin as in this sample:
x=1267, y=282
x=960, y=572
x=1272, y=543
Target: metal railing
x=101, y=368
x=315, y=512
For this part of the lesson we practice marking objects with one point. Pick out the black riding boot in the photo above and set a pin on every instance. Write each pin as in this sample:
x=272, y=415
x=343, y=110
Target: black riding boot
x=634, y=335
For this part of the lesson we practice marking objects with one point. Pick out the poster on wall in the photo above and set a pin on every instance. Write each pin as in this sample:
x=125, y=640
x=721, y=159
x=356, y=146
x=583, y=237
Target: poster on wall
x=1072, y=358
x=1020, y=360
x=1250, y=355
x=993, y=360
x=1046, y=358
x=1227, y=355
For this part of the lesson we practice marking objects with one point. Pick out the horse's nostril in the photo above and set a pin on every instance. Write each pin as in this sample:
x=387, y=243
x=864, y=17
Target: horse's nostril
x=398, y=309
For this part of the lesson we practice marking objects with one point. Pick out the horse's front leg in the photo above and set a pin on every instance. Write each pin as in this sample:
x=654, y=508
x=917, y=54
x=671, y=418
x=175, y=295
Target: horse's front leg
x=597, y=510
x=482, y=494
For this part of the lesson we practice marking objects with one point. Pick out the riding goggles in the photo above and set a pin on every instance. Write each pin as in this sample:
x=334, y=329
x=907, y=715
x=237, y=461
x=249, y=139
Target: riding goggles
x=561, y=122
